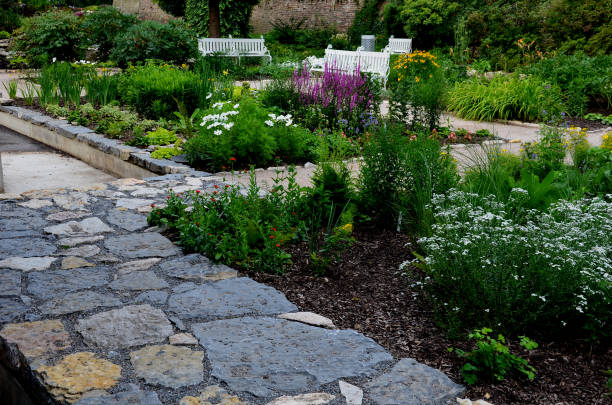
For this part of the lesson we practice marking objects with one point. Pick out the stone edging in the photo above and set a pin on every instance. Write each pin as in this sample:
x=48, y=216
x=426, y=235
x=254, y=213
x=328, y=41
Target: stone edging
x=110, y=155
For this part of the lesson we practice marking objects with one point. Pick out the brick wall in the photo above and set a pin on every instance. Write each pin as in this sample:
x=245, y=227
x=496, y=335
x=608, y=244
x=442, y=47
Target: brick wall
x=320, y=13
x=144, y=9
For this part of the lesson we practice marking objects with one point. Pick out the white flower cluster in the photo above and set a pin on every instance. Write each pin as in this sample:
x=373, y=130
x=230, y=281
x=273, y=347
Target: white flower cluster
x=286, y=119
x=562, y=255
x=221, y=120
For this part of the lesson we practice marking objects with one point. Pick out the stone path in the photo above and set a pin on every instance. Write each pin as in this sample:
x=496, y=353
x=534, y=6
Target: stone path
x=108, y=311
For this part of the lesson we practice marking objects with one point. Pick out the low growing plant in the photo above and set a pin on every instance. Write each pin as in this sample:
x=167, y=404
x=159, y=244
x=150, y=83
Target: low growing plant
x=491, y=360
x=11, y=88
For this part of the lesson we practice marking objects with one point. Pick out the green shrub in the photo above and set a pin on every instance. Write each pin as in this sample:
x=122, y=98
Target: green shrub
x=54, y=35
x=521, y=270
x=491, y=359
x=399, y=176
x=506, y=97
x=585, y=81
x=102, y=27
x=366, y=21
x=247, y=133
x=157, y=91
x=234, y=16
x=171, y=42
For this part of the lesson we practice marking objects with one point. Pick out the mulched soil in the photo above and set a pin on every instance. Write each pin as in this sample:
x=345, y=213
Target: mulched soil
x=366, y=292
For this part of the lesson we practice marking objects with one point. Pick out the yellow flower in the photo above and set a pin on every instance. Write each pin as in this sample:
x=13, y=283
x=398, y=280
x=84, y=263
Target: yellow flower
x=416, y=79
x=348, y=228
x=225, y=72
x=184, y=66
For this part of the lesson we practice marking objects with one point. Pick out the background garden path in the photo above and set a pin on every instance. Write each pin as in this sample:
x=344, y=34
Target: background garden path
x=109, y=311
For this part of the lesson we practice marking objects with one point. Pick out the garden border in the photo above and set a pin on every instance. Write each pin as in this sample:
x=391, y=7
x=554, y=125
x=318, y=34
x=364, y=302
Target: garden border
x=109, y=155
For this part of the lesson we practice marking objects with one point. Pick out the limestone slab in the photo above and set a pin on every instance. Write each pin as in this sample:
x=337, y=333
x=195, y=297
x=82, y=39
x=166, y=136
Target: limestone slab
x=35, y=204
x=133, y=396
x=88, y=226
x=315, y=398
x=212, y=395
x=139, y=280
x=36, y=339
x=352, y=393
x=27, y=263
x=412, y=383
x=196, y=267
x=228, y=298
x=266, y=356
x=11, y=309
x=10, y=282
x=141, y=245
x=73, y=262
x=168, y=365
x=66, y=215
x=127, y=220
x=81, y=251
x=133, y=203
x=78, y=302
x=125, y=327
x=78, y=373
x=183, y=339
x=72, y=201
x=309, y=318
x=137, y=265
x=52, y=284
x=152, y=297
x=31, y=223
x=25, y=247
x=78, y=240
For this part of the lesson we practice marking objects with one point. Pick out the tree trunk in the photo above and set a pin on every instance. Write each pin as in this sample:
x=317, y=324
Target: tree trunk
x=214, y=22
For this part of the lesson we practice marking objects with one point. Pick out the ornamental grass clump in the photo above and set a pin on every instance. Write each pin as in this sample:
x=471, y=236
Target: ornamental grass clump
x=520, y=270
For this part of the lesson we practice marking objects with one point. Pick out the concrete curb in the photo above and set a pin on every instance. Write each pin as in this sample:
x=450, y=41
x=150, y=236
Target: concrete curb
x=109, y=155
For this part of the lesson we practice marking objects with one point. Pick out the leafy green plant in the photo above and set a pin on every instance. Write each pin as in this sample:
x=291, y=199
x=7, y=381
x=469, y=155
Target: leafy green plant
x=506, y=97
x=49, y=36
x=161, y=136
x=56, y=110
x=154, y=91
x=11, y=88
x=28, y=92
x=599, y=117
x=171, y=42
x=102, y=27
x=491, y=359
x=166, y=153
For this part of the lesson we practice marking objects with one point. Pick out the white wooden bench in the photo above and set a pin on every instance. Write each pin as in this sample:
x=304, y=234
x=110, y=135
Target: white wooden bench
x=398, y=45
x=376, y=63
x=235, y=47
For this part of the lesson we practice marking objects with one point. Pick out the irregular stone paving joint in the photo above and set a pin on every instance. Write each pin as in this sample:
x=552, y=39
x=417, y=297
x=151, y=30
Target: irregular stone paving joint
x=109, y=311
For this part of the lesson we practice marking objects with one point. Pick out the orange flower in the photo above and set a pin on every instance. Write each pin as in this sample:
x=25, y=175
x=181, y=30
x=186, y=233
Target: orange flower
x=271, y=236
x=232, y=159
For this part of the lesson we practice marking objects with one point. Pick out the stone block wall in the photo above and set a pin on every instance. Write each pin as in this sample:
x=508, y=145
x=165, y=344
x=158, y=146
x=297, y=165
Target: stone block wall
x=337, y=14
x=319, y=13
x=144, y=9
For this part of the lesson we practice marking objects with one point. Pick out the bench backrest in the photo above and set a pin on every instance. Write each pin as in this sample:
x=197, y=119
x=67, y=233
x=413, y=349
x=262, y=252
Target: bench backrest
x=374, y=62
x=369, y=62
x=401, y=45
x=214, y=45
x=232, y=45
x=250, y=45
x=341, y=60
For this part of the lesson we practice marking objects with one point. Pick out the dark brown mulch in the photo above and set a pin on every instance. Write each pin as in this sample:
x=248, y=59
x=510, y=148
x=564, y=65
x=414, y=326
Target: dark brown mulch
x=584, y=123
x=366, y=292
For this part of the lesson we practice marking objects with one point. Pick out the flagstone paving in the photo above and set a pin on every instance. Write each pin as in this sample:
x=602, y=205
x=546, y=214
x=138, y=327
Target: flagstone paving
x=109, y=311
